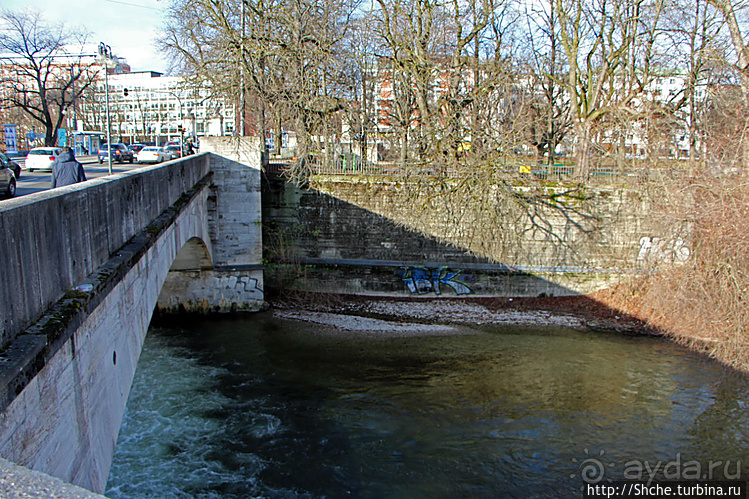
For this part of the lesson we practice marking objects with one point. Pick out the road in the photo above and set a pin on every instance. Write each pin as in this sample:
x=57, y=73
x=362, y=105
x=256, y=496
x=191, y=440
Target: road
x=40, y=180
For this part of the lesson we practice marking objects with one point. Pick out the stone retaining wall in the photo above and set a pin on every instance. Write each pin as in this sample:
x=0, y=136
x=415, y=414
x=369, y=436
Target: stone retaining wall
x=377, y=236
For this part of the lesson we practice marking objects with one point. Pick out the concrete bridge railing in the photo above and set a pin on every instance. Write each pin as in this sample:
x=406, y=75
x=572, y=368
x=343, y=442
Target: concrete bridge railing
x=89, y=264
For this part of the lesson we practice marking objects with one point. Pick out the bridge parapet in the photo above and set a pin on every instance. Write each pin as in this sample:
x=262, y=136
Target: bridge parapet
x=56, y=238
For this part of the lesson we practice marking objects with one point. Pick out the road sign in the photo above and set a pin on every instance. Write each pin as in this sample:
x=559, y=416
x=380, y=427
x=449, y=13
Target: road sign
x=11, y=140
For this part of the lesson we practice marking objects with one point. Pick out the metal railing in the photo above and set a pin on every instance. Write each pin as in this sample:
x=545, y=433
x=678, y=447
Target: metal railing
x=598, y=174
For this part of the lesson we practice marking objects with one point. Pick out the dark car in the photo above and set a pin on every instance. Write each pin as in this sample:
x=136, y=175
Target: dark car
x=120, y=153
x=136, y=148
x=5, y=161
x=7, y=177
x=174, y=151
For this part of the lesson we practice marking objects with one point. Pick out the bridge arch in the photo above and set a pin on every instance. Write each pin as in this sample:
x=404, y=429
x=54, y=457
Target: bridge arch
x=194, y=255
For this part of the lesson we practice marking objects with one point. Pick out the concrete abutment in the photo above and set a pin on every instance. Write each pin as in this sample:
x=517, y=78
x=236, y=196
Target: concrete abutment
x=234, y=281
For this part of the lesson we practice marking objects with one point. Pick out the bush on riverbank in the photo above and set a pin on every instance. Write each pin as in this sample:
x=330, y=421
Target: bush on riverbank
x=703, y=303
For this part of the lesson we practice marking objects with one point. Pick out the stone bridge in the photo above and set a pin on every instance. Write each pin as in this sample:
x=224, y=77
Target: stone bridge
x=83, y=270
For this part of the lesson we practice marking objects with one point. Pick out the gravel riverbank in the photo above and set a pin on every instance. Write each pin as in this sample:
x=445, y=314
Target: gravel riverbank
x=440, y=316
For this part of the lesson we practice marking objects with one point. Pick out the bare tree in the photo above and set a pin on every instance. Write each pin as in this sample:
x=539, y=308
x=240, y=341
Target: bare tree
x=701, y=42
x=693, y=41
x=728, y=9
x=405, y=29
x=443, y=64
x=275, y=57
x=609, y=48
x=545, y=120
x=42, y=78
x=359, y=77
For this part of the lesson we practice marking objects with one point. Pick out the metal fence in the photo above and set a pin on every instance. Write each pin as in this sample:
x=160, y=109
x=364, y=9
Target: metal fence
x=604, y=174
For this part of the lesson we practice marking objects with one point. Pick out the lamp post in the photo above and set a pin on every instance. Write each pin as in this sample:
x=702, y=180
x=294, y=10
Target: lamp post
x=105, y=51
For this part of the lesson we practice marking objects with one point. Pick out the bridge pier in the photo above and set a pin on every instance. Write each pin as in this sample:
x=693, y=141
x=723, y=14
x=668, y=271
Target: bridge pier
x=233, y=281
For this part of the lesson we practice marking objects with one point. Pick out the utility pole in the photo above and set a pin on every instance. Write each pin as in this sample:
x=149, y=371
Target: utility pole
x=242, y=96
x=75, y=121
x=105, y=51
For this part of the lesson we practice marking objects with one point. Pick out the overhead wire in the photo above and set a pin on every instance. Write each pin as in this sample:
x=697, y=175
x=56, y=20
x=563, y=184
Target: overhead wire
x=133, y=4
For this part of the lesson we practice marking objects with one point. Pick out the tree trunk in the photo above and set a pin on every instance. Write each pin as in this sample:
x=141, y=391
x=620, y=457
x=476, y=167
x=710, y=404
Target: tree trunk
x=278, y=136
x=404, y=149
x=583, y=132
x=742, y=51
x=364, y=118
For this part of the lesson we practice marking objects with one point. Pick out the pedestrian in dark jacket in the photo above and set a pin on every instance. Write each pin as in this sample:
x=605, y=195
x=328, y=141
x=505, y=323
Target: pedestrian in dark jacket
x=66, y=169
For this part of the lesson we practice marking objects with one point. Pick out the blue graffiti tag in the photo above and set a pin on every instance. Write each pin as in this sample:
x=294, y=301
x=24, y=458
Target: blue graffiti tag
x=422, y=280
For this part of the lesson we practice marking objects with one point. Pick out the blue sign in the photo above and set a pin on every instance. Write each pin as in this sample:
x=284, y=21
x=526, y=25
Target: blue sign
x=11, y=138
x=62, y=137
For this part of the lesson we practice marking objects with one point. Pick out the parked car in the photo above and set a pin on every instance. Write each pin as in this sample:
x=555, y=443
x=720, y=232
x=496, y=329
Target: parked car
x=17, y=154
x=174, y=151
x=153, y=154
x=41, y=158
x=136, y=148
x=7, y=178
x=120, y=153
x=7, y=162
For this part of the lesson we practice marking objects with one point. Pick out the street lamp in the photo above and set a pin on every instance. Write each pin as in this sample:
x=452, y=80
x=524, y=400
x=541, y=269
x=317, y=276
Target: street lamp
x=105, y=51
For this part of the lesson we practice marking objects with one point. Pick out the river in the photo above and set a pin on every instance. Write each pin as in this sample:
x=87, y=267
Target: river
x=258, y=406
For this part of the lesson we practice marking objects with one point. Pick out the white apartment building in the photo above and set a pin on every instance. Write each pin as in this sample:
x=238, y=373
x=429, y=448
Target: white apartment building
x=675, y=138
x=145, y=106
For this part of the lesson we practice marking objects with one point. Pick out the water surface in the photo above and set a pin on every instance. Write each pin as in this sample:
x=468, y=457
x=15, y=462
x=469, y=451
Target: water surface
x=258, y=406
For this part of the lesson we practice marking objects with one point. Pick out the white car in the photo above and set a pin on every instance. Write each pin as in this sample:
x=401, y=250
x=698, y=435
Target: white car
x=153, y=154
x=41, y=158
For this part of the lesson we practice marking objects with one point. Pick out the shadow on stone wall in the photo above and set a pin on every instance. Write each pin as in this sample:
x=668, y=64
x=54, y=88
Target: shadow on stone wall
x=315, y=242
x=323, y=250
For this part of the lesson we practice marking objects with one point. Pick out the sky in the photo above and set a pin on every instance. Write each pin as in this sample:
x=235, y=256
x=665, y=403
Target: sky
x=129, y=27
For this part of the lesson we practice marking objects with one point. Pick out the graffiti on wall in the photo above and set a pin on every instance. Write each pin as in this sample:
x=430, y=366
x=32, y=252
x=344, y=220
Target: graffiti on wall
x=422, y=280
x=657, y=249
